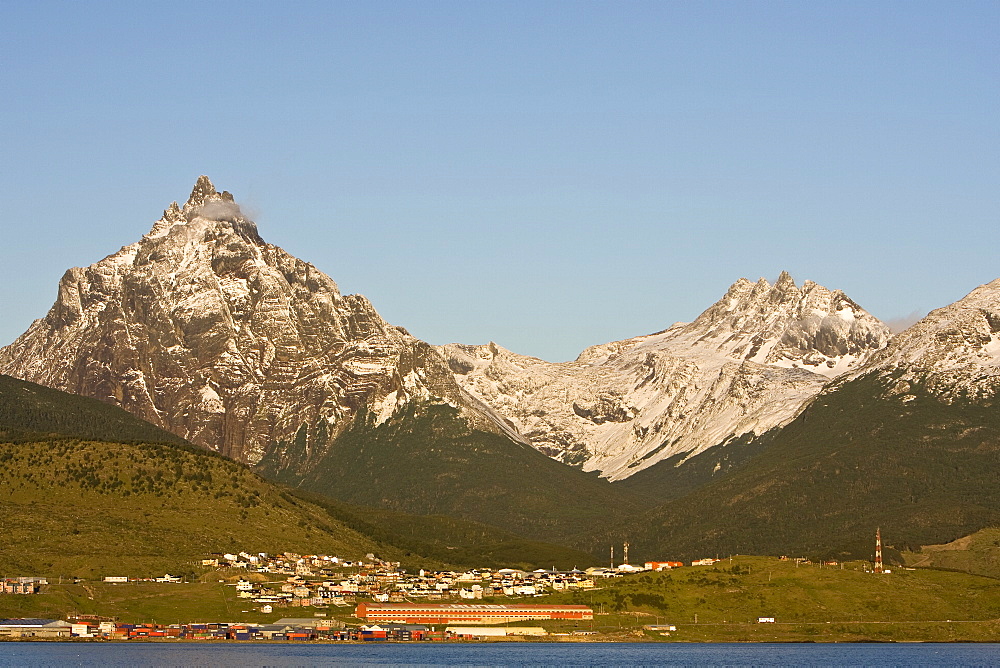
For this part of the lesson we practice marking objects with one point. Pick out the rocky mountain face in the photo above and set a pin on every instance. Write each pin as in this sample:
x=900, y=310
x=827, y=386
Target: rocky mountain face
x=953, y=353
x=205, y=330
x=747, y=364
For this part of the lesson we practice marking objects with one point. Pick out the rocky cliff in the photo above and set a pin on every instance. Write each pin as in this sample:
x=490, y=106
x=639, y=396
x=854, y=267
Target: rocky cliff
x=204, y=329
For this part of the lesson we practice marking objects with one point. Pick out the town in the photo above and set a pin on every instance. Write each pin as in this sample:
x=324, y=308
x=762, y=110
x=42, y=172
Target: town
x=249, y=596
x=285, y=629
x=389, y=603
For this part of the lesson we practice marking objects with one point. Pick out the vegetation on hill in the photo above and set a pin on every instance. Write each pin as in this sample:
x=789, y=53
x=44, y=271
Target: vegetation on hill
x=668, y=479
x=137, y=602
x=212, y=498
x=90, y=508
x=808, y=601
x=977, y=553
x=461, y=543
x=30, y=412
x=427, y=460
x=858, y=458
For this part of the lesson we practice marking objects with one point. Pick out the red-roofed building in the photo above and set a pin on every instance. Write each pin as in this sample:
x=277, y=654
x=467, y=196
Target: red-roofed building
x=430, y=613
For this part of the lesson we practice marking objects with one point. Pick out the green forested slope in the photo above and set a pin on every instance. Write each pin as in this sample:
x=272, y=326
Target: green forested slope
x=858, y=458
x=106, y=490
x=427, y=460
x=29, y=411
x=88, y=489
x=451, y=540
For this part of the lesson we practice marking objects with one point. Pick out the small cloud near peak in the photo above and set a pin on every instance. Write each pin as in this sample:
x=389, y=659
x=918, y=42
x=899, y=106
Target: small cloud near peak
x=898, y=324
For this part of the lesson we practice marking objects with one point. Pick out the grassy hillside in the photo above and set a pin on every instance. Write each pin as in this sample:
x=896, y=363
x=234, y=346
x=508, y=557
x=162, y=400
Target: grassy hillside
x=136, y=602
x=30, y=412
x=426, y=460
x=857, y=458
x=745, y=588
x=977, y=553
x=808, y=602
x=90, y=509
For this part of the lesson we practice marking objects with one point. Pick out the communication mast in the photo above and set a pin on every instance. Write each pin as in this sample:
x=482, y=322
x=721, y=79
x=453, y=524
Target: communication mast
x=612, y=557
x=625, y=556
x=878, y=550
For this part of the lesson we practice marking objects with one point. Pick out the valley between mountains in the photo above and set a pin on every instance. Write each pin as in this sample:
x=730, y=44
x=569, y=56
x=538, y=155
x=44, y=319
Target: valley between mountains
x=785, y=419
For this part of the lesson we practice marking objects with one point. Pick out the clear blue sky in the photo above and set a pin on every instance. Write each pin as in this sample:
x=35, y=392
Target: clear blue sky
x=547, y=175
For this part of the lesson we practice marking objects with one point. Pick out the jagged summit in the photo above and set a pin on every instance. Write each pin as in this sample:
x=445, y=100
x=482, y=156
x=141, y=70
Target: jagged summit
x=207, y=203
x=786, y=325
x=746, y=364
x=202, y=191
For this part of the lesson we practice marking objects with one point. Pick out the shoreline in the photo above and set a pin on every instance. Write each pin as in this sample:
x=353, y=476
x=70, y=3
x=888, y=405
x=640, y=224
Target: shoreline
x=635, y=641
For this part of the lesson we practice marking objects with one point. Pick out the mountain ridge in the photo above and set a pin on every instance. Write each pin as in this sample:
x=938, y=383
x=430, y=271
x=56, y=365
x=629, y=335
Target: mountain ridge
x=747, y=364
x=909, y=440
x=204, y=329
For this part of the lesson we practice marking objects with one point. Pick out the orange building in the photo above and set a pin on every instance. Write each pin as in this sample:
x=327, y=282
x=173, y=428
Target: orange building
x=662, y=565
x=430, y=613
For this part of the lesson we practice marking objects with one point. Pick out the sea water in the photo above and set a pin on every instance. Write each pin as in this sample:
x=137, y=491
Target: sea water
x=496, y=654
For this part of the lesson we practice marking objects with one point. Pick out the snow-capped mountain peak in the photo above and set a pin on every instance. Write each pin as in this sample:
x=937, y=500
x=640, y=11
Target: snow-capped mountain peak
x=746, y=364
x=207, y=203
x=202, y=328
x=784, y=325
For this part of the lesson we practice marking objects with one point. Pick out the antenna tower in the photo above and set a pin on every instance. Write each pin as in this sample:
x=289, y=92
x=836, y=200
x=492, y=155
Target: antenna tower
x=625, y=557
x=878, y=550
x=612, y=557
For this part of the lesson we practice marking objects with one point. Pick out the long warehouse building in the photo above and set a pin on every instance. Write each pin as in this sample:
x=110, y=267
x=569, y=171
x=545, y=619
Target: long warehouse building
x=431, y=613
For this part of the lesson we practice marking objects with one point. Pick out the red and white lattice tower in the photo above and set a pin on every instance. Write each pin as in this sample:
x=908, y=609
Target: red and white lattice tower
x=878, y=550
